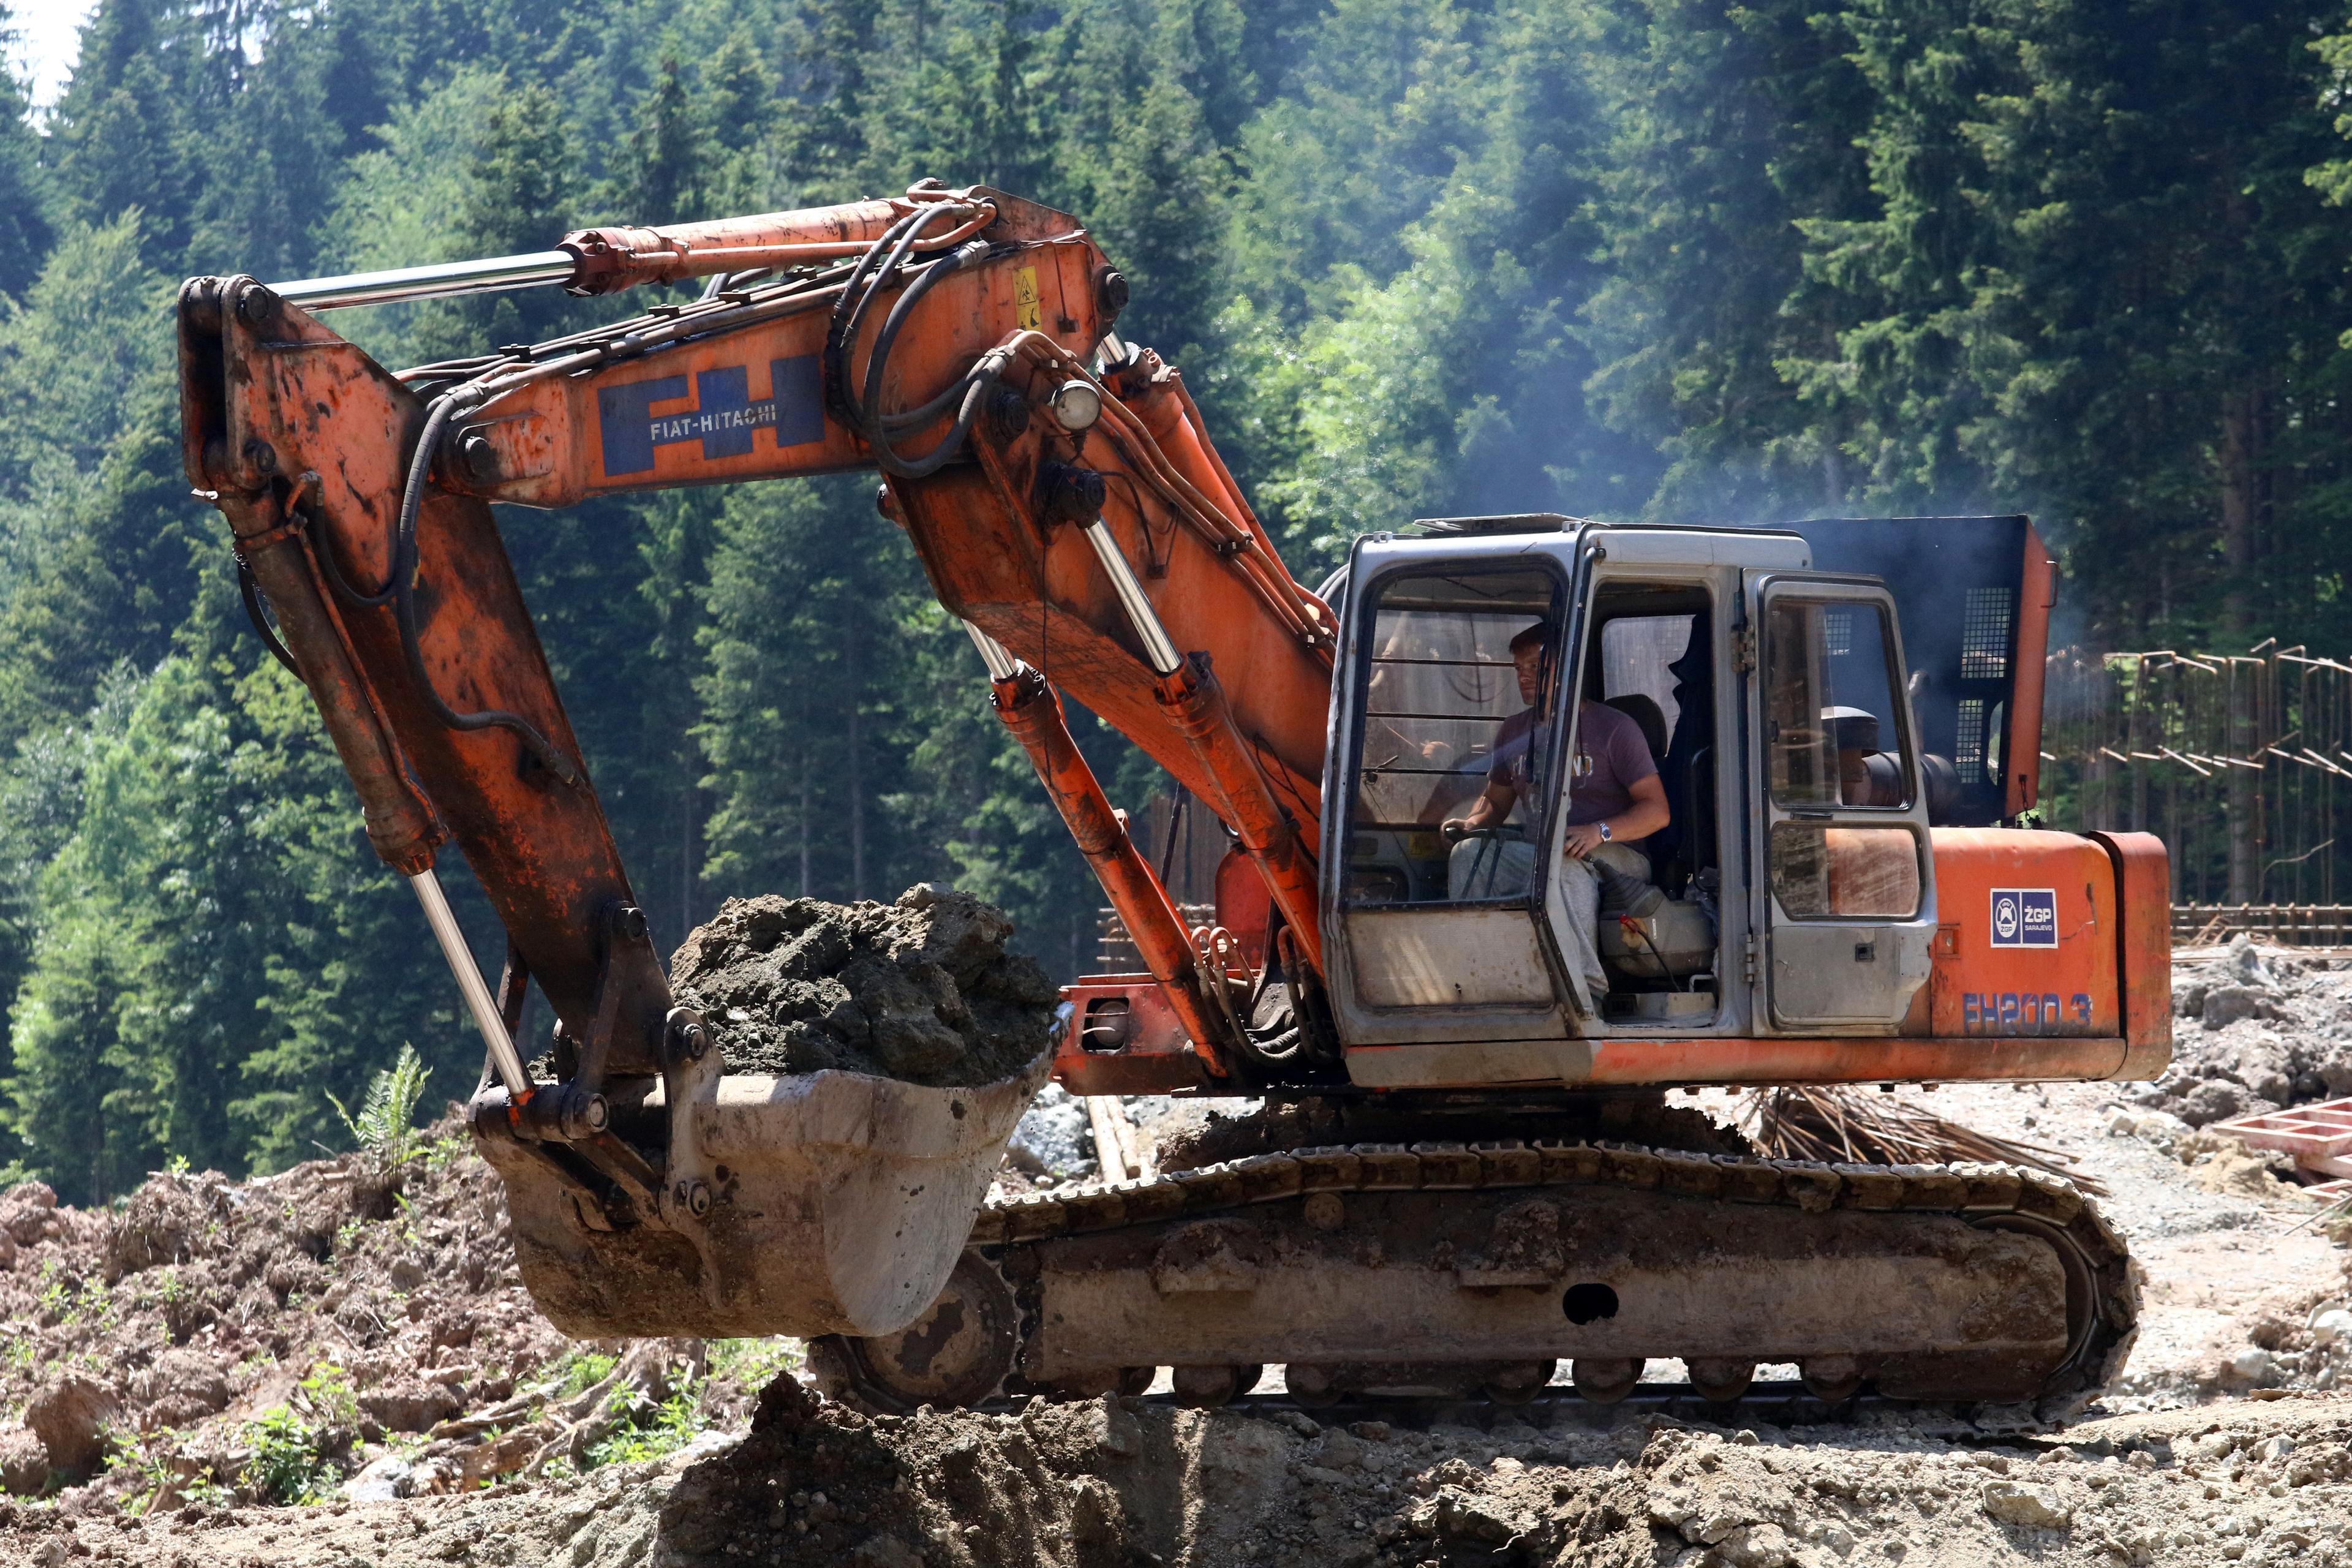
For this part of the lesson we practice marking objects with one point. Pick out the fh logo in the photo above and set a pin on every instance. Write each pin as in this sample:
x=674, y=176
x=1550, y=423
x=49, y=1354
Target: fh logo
x=724, y=417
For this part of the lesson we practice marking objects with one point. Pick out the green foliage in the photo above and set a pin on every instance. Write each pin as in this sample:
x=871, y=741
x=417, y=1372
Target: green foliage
x=293, y=1445
x=581, y=1371
x=647, y=1431
x=755, y=1364
x=385, y=1128
x=287, y=1466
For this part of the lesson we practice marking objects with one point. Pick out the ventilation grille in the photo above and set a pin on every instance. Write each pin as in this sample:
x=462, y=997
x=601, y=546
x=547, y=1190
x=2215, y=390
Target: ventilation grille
x=1837, y=633
x=1968, y=745
x=1984, y=640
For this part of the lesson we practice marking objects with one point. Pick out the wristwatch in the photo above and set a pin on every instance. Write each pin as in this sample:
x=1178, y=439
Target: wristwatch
x=1604, y=832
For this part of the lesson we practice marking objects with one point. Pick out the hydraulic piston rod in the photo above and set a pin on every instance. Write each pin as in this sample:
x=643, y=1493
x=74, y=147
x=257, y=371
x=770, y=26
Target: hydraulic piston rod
x=476, y=992
x=438, y=281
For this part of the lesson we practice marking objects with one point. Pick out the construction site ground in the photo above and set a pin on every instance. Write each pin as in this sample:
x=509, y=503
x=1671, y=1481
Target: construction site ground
x=327, y=1334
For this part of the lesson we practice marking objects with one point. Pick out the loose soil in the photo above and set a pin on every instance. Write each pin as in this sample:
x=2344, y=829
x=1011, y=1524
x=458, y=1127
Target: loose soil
x=201, y=1307
x=922, y=989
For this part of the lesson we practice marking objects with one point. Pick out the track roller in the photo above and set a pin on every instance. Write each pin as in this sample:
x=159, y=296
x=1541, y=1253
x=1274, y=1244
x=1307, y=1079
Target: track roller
x=1604, y=1382
x=1831, y=1379
x=1206, y=1387
x=1720, y=1380
x=1518, y=1384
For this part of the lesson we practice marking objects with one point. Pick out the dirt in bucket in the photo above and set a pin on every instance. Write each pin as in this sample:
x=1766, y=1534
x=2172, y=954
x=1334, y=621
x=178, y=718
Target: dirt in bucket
x=922, y=989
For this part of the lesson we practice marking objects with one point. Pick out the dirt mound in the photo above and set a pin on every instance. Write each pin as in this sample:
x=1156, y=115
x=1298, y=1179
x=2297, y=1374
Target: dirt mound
x=922, y=989
x=145, y=1340
x=2259, y=1028
x=1120, y=1483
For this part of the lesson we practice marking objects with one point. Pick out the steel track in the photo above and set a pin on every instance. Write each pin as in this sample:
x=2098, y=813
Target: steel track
x=2102, y=1290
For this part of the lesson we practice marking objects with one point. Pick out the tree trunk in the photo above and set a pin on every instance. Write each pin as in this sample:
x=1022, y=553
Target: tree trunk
x=2241, y=510
x=850, y=671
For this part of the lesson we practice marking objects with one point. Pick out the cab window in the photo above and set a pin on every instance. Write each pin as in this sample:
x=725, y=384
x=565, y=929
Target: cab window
x=1444, y=710
x=1836, y=742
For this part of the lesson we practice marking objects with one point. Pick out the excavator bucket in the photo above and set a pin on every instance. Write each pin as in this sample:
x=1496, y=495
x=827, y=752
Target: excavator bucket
x=832, y=1203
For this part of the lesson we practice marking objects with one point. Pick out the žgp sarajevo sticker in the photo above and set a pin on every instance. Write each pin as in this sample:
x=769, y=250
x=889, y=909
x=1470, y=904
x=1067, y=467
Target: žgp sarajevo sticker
x=2025, y=917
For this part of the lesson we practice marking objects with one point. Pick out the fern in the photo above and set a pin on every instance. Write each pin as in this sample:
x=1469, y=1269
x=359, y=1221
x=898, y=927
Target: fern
x=384, y=1126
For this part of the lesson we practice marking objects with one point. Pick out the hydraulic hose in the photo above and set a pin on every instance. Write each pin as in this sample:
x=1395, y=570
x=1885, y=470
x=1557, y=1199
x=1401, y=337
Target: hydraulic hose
x=251, y=591
x=975, y=384
x=880, y=259
x=404, y=582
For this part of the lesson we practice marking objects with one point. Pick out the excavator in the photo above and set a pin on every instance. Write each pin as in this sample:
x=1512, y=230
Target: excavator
x=1468, y=1172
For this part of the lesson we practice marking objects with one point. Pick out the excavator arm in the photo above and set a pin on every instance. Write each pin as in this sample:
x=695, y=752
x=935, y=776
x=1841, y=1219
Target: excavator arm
x=945, y=339
x=1057, y=487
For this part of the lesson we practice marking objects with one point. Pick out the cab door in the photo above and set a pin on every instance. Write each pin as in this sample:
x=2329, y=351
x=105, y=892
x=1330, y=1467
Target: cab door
x=1845, y=893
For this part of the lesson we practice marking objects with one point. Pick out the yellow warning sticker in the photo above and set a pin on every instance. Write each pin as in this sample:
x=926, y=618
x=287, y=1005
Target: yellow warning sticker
x=1025, y=310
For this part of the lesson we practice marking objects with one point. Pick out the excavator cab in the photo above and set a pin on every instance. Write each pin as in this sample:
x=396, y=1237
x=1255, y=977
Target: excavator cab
x=1762, y=689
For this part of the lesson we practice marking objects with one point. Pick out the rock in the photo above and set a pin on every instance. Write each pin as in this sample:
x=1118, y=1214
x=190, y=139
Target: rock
x=70, y=1415
x=24, y=1462
x=25, y=1211
x=1456, y=1515
x=2335, y=1074
x=2249, y=1368
x=2215, y=1100
x=2228, y=1005
x=1341, y=1450
x=884, y=1551
x=8, y=1252
x=1097, y=1517
x=2035, y=1507
x=386, y=1480
x=2332, y=1326
x=2277, y=1448
x=1053, y=1134
x=1117, y=1431
x=2245, y=960
x=411, y=1405
x=183, y=1386
x=2161, y=1128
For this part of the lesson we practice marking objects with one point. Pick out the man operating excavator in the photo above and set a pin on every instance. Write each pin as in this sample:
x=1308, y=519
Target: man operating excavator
x=1615, y=800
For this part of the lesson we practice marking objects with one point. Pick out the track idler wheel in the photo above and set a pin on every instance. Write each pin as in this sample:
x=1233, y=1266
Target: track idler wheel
x=1206, y=1387
x=1518, y=1384
x=959, y=1352
x=1603, y=1381
x=1720, y=1380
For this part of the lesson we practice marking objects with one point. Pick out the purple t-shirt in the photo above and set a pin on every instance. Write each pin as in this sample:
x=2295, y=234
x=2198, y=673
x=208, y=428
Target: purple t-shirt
x=1611, y=757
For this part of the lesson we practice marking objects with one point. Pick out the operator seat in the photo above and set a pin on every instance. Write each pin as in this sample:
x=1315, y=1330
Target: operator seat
x=1644, y=711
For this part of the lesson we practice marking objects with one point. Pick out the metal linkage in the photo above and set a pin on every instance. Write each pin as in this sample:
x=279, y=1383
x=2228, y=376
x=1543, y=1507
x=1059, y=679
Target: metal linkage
x=470, y=983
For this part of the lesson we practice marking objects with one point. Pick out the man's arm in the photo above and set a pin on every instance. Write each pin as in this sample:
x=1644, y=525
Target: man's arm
x=1493, y=806
x=1648, y=813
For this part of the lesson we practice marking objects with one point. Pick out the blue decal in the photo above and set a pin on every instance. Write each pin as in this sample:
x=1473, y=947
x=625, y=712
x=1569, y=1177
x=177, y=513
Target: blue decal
x=724, y=416
x=2023, y=1013
x=2025, y=917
